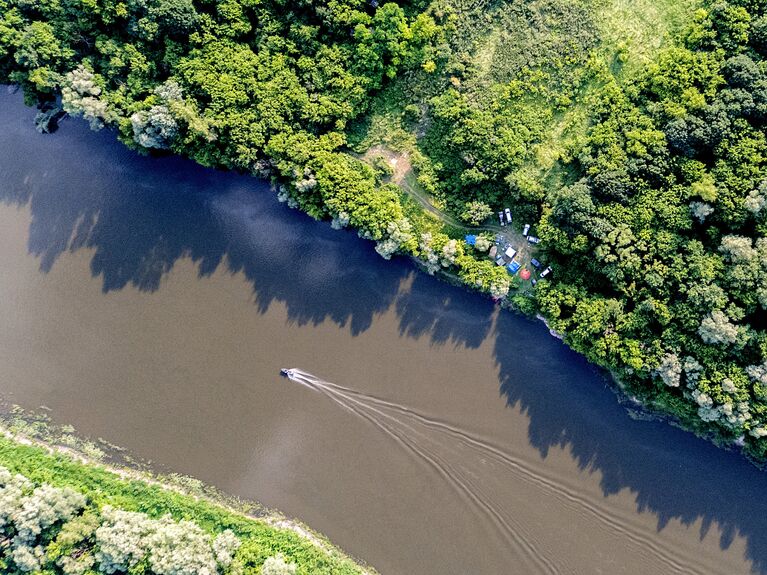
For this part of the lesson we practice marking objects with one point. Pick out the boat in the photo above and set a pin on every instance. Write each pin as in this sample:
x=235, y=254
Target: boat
x=286, y=372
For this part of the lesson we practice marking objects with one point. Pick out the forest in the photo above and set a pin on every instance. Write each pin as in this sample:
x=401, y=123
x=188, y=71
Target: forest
x=630, y=134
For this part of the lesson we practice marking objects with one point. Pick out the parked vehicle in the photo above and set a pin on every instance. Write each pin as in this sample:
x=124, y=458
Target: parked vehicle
x=546, y=272
x=507, y=211
x=526, y=230
x=535, y=263
x=500, y=217
x=533, y=281
x=500, y=261
x=533, y=240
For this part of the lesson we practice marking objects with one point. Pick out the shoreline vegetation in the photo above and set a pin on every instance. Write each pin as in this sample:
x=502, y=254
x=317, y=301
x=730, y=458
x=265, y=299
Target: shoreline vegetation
x=630, y=134
x=90, y=516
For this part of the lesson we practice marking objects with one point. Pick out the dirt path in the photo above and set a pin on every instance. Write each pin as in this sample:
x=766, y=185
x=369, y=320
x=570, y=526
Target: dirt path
x=403, y=174
x=404, y=177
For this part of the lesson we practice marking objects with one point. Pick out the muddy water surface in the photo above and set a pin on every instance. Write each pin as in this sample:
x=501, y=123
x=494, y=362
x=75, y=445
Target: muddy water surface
x=152, y=302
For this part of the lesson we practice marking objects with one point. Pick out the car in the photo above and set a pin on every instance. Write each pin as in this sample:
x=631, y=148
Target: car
x=533, y=240
x=500, y=217
x=533, y=281
x=546, y=272
x=513, y=267
x=510, y=252
x=526, y=230
x=535, y=263
x=507, y=211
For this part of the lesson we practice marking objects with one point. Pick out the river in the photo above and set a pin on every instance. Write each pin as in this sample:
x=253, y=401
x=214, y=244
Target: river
x=152, y=302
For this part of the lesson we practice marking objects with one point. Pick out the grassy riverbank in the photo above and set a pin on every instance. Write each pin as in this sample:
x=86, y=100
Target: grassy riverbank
x=127, y=490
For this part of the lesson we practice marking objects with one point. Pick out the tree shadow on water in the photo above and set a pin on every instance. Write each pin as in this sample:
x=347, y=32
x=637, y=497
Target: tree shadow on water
x=141, y=215
x=444, y=313
x=671, y=473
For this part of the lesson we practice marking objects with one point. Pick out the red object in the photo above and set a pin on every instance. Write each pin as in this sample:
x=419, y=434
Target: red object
x=525, y=274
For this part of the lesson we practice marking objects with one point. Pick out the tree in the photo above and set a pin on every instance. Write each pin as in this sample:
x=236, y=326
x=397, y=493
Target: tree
x=44, y=507
x=80, y=95
x=399, y=237
x=225, y=546
x=701, y=210
x=758, y=36
x=278, y=566
x=716, y=328
x=154, y=128
x=756, y=202
x=476, y=212
x=482, y=244
x=177, y=17
x=39, y=47
x=121, y=539
x=180, y=548
x=572, y=208
x=670, y=370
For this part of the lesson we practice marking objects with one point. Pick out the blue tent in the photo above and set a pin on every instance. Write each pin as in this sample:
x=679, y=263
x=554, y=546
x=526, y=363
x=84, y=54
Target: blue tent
x=513, y=267
x=471, y=240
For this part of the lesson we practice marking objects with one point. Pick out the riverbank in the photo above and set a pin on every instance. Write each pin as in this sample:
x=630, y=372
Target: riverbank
x=262, y=533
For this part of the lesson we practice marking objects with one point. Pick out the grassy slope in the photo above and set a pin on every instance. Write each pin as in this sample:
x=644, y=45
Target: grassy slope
x=577, y=45
x=105, y=487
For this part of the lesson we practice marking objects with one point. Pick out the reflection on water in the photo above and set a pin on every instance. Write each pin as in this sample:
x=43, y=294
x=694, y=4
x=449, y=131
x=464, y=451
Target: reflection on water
x=410, y=461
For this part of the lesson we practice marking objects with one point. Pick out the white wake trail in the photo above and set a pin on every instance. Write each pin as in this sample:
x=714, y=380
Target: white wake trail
x=407, y=427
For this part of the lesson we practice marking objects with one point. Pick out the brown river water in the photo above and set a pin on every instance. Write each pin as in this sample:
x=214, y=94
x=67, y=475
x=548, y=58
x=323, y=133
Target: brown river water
x=152, y=302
